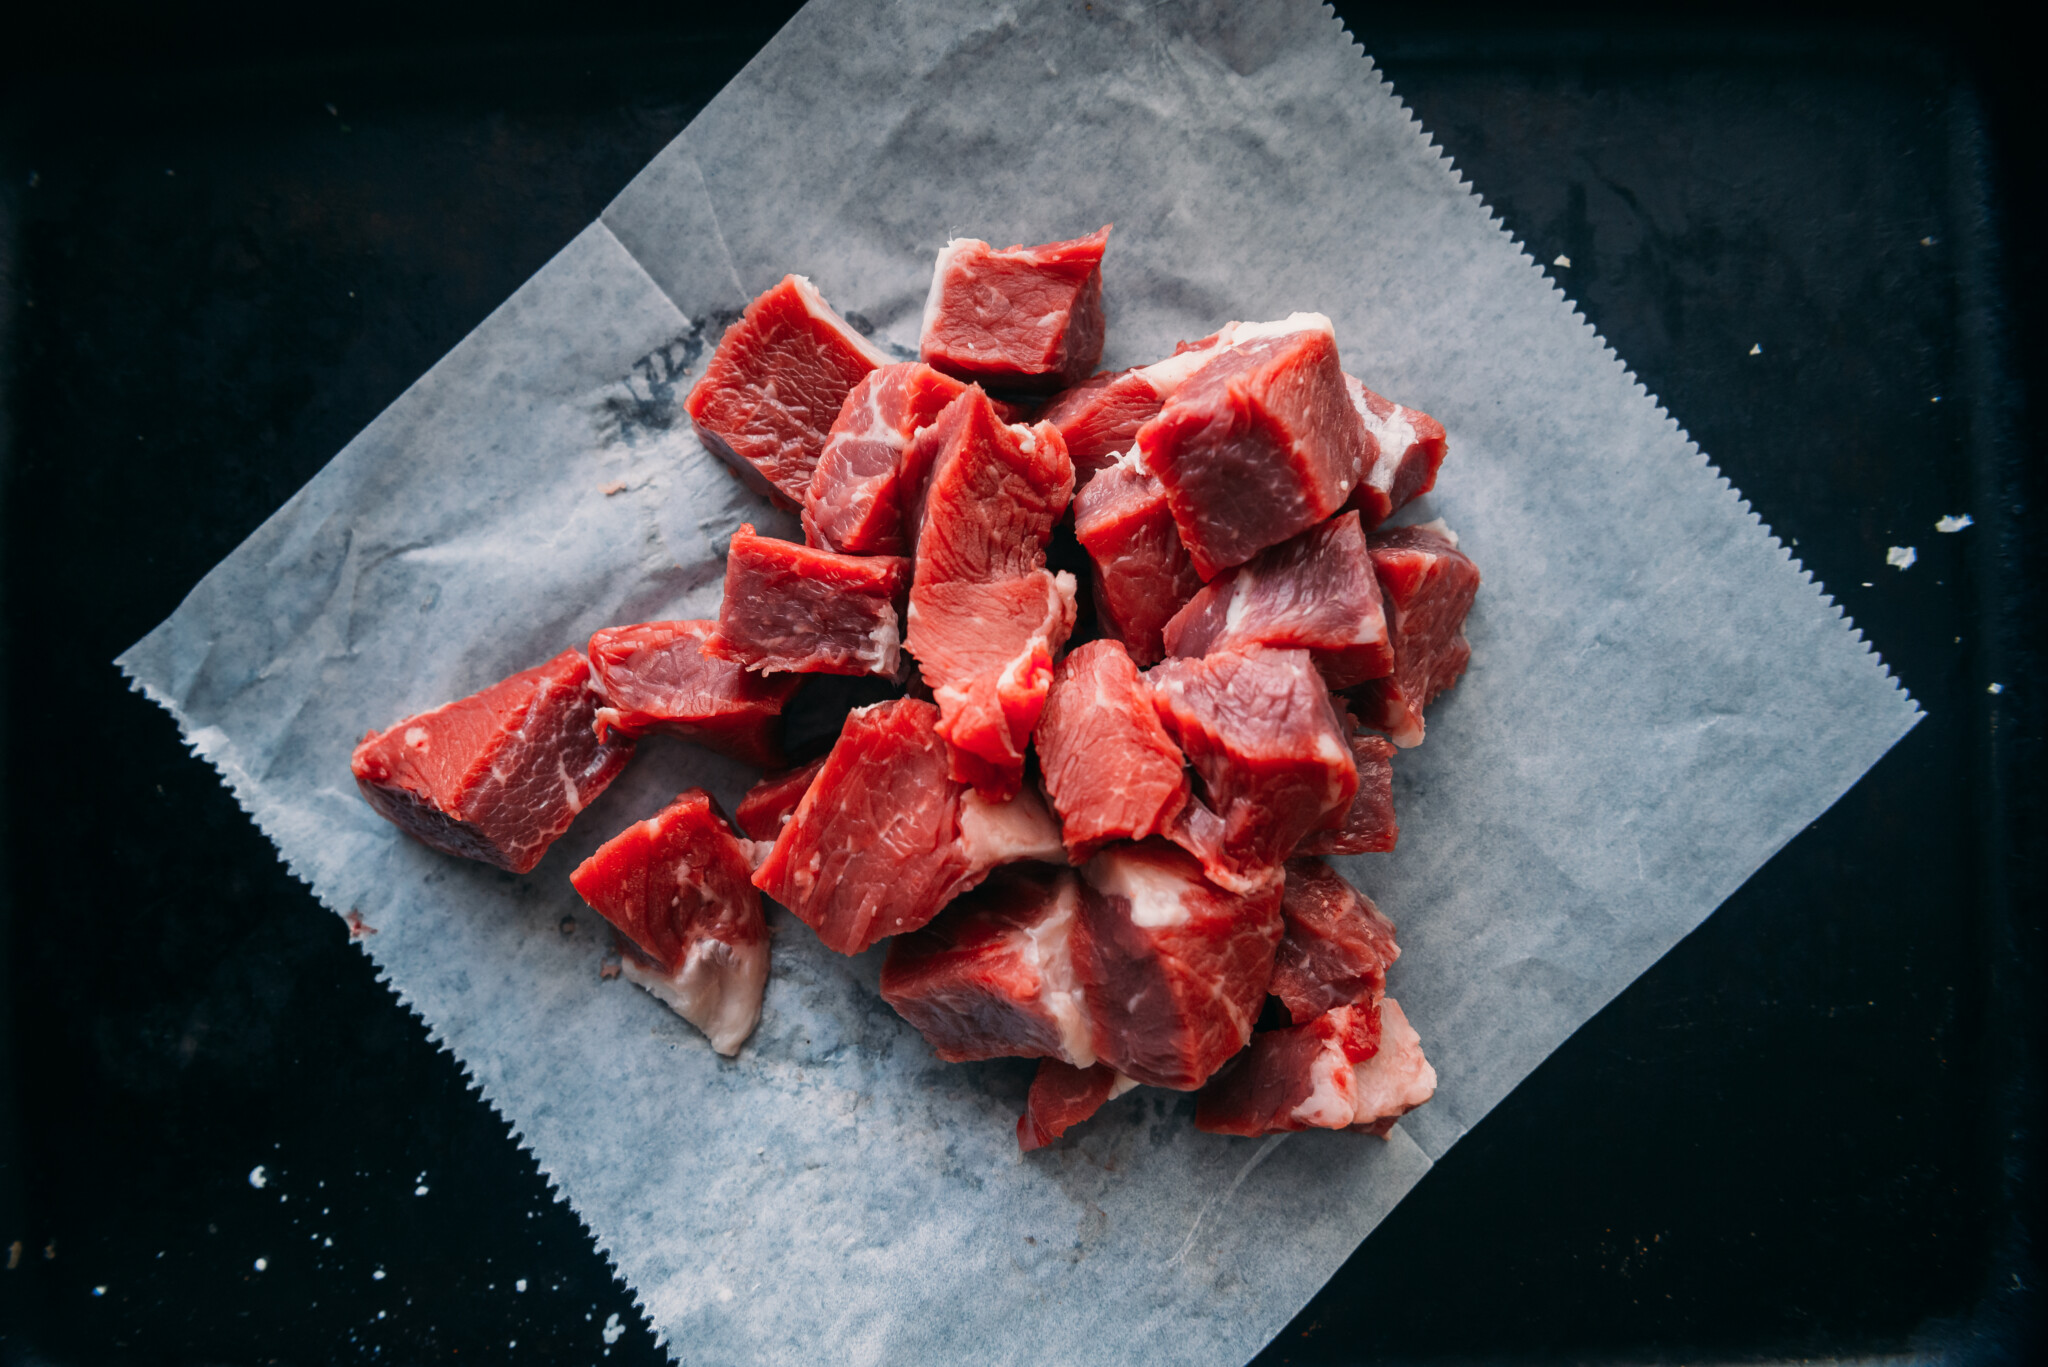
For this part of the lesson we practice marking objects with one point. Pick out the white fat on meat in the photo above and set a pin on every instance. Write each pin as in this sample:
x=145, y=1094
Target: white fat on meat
x=993, y=833
x=1237, y=334
x=1048, y=952
x=1332, y=1101
x=1157, y=897
x=1436, y=524
x=1398, y=1078
x=940, y=270
x=815, y=305
x=718, y=989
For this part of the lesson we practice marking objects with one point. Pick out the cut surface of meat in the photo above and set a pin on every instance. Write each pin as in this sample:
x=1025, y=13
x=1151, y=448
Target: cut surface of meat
x=1316, y=591
x=1099, y=418
x=1174, y=968
x=1336, y=948
x=801, y=610
x=1141, y=573
x=1259, y=728
x=994, y=492
x=1260, y=443
x=1062, y=1096
x=771, y=390
x=1404, y=449
x=1027, y=318
x=655, y=676
x=774, y=799
x=1302, y=1077
x=870, y=471
x=992, y=976
x=987, y=651
x=1428, y=585
x=884, y=838
x=1108, y=765
x=1368, y=825
x=677, y=888
x=499, y=775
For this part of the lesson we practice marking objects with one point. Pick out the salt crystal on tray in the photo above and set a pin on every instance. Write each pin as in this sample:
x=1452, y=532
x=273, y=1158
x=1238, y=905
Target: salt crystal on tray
x=1651, y=711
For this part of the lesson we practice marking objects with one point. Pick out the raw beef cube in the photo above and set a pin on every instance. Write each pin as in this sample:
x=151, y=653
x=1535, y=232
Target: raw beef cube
x=1316, y=591
x=1428, y=584
x=1025, y=318
x=1108, y=765
x=1100, y=417
x=499, y=775
x=986, y=650
x=1260, y=443
x=776, y=383
x=994, y=493
x=1367, y=825
x=869, y=474
x=772, y=801
x=1337, y=946
x=1062, y=1096
x=992, y=975
x=1141, y=572
x=677, y=887
x=1174, y=968
x=883, y=839
x=1356, y=1067
x=1259, y=729
x=797, y=609
x=656, y=677
x=1403, y=450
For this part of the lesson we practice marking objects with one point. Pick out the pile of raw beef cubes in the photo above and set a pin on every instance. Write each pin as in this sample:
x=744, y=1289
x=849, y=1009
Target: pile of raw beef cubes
x=1107, y=857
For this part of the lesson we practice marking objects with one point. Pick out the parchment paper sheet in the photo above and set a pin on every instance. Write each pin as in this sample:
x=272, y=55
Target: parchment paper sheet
x=1659, y=697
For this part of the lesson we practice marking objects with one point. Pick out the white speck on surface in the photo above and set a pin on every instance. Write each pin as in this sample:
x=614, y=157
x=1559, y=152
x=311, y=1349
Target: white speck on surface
x=1901, y=556
x=1996, y=688
x=327, y=1243
x=724, y=1294
x=519, y=1285
x=613, y=1331
x=257, y=1176
x=1935, y=399
x=378, y=1275
x=1867, y=584
x=420, y=1190
x=263, y=1264
x=380, y=1314
x=1927, y=242
x=99, y=1291
x=1953, y=522
x=1563, y=260
x=1756, y=349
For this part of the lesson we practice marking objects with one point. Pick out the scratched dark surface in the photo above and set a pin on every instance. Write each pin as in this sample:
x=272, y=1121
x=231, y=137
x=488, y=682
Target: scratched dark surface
x=1807, y=1131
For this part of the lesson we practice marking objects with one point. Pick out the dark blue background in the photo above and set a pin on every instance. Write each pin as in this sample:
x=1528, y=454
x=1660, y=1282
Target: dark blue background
x=229, y=243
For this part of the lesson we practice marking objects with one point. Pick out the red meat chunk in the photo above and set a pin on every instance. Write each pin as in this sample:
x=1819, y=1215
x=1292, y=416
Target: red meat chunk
x=994, y=493
x=1367, y=825
x=1263, y=737
x=1403, y=450
x=1108, y=766
x=1316, y=591
x=499, y=775
x=883, y=839
x=774, y=799
x=775, y=384
x=986, y=651
x=865, y=488
x=1024, y=318
x=797, y=609
x=1141, y=572
x=1337, y=946
x=1062, y=1096
x=677, y=888
x=1099, y=418
x=1356, y=1067
x=1174, y=968
x=1428, y=585
x=992, y=976
x=657, y=677
x=1260, y=443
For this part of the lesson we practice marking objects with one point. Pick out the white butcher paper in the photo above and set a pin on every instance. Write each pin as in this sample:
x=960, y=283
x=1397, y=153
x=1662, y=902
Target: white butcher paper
x=1659, y=696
